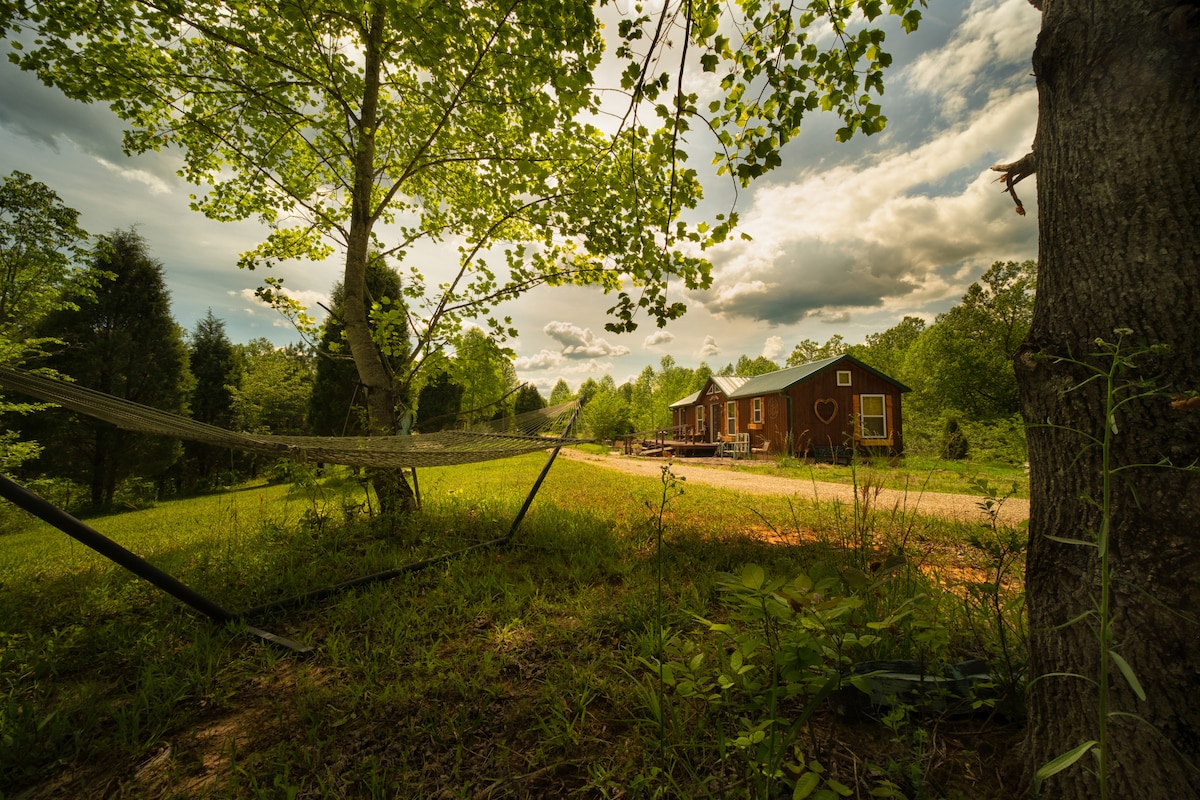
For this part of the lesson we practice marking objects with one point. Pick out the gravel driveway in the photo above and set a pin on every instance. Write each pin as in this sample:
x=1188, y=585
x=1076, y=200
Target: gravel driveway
x=954, y=506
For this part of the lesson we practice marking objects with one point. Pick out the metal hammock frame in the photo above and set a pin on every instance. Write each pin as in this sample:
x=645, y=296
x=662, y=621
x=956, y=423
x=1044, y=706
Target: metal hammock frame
x=503, y=439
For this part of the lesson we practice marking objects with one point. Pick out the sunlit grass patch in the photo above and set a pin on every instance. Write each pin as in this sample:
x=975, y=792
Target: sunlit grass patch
x=515, y=670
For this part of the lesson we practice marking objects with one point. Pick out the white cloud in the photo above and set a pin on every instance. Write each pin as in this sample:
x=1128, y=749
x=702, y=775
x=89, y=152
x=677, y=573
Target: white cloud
x=657, y=338
x=773, y=347
x=155, y=184
x=311, y=300
x=581, y=342
x=544, y=359
x=709, y=347
x=993, y=33
x=859, y=236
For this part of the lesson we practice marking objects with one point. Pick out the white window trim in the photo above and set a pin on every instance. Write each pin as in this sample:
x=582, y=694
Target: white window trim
x=863, y=416
x=731, y=417
x=844, y=373
x=757, y=415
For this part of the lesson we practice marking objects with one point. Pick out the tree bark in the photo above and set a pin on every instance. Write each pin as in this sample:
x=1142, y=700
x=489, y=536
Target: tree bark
x=1119, y=216
x=395, y=495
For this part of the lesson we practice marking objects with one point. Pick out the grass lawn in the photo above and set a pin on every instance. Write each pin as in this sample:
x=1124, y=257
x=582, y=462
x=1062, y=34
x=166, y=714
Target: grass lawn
x=911, y=473
x=620, y=646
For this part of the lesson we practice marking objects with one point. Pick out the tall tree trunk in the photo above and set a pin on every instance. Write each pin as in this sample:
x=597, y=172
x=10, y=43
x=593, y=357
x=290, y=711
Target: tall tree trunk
x=390, y=485
x=1118, y=165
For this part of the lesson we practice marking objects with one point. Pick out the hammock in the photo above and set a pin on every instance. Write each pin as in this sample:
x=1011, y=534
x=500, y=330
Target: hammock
x=499, y=439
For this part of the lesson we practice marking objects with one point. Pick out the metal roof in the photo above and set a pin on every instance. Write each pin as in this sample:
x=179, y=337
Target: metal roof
x=783, y=379
x=728, y=384
x=736, y=386
x=687, y=401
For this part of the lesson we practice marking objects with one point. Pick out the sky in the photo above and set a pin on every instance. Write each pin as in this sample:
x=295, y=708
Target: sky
x=846, y=238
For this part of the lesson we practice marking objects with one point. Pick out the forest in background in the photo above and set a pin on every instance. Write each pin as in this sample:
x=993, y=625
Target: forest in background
x=99, y=312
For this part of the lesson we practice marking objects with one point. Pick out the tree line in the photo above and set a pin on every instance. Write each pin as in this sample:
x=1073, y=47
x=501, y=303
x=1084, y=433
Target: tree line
x=433, y=126
x=98, y=312
x=959, y=367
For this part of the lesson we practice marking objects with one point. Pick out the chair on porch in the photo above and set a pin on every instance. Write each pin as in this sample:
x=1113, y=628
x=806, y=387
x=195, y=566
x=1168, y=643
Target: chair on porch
x=736, y=445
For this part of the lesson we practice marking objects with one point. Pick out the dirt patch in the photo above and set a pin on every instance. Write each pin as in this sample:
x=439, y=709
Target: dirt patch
x=952, y=506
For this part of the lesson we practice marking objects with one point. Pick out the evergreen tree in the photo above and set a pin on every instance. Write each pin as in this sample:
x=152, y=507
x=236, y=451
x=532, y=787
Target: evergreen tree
x=120, y=340
x=338, y=405
x=527, y=399
x=438, y=404
x=214, y=367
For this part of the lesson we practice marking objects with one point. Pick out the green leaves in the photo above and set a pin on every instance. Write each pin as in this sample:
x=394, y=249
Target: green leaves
x=1059, y=764
x=1128, y=673
x=775, y=74
x=467, y=122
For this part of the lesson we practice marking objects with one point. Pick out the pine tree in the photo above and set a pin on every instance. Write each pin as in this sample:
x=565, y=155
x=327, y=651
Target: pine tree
x=527, y=399
x=120, y=340
x=338, y=406
x=214, y=367
x=438, y=404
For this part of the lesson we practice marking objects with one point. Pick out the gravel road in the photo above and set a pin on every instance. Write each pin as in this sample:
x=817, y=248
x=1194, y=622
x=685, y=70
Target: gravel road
x=954, y=506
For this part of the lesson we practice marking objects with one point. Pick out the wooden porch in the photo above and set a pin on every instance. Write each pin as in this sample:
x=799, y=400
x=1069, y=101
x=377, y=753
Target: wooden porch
x=686, y=442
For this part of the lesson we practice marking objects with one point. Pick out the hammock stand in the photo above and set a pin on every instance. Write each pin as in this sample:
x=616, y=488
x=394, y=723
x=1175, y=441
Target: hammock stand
x=330, y=449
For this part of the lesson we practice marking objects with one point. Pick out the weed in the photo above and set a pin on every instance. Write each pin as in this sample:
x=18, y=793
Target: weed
x=993, y=600
x=1115, y=362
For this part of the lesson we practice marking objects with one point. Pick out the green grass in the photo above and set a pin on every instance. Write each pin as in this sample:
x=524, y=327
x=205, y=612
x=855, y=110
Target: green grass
x=911, y=473
x=513, y=672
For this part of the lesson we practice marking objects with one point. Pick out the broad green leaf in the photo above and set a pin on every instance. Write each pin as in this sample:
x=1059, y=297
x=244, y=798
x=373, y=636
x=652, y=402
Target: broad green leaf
x=806, y=784
x=753, y=576
x=839, y=787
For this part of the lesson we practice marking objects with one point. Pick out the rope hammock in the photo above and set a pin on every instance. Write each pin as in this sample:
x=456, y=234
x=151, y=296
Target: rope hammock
x=512, y=436
x=525, y=433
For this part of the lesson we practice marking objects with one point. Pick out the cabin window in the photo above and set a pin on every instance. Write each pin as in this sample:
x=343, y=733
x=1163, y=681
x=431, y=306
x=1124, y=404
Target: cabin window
x=731, y=418
x=757, y=411
x=699, y=418
x=843, y=377
x=872, y=416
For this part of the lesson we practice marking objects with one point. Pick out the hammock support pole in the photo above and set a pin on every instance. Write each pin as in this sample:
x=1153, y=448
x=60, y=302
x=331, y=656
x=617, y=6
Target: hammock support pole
x=89, y=536
x=541, y=477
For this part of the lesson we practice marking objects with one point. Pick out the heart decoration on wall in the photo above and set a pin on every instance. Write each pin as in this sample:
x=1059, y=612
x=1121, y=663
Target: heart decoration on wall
x=820, y=407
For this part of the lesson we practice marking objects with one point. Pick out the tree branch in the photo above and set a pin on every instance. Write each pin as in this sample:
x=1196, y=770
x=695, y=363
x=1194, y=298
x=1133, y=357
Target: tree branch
x=1015, y=172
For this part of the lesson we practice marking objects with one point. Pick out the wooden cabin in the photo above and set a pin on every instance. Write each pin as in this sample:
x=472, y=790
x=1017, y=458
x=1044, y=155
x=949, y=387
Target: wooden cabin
x=824, y=409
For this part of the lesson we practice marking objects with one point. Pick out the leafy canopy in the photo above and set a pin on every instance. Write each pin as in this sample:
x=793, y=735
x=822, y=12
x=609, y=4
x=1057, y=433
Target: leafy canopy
x=343, y=124
x=40, y=244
